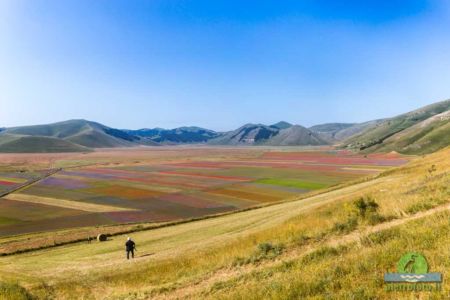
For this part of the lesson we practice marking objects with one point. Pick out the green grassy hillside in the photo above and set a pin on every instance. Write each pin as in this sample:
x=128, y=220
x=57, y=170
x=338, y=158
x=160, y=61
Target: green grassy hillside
x=181, y=135
x=425, y=137
x=68, y=136
x=37, y=144
x=401, y=133
x=327, y=245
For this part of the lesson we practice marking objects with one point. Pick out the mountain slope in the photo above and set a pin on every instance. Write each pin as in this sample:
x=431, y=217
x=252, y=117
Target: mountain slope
x=296, y=135
x=72, y=135
x=249, y=134
x=427, y=136
x=335, y=132
x=393, y=133
x=175, y=136
x=259, y=134
x=37, y=144
x=328, y=131
x=281, y=125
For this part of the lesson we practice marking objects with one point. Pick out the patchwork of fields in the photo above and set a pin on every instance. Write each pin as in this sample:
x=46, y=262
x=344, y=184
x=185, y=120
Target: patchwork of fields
x=188, y=183
x=12, y=180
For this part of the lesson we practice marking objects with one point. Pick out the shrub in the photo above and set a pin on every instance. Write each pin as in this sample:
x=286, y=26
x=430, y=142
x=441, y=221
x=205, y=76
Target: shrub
x=347, y=226
x=431, y=170
x=324, y=252
x=263, y=251
x=365, y=205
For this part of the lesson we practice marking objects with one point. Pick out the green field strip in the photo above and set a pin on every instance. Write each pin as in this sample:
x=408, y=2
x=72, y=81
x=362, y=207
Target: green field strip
x=292, y=183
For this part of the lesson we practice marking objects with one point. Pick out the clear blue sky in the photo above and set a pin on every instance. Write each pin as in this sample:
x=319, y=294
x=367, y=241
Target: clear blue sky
x=220, y=63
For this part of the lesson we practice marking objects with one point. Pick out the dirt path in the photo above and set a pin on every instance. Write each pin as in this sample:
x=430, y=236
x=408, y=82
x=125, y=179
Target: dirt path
x=227, y=274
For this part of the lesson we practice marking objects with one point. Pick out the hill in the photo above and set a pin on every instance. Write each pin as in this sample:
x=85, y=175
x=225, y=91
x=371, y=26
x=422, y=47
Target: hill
x=295, y=135
x=419, y=131
x=68, y=136
x=309, y=247
x=336, y=132
x=281, y=125
x=427, y=136
x=280, y=134
x=181, y=135
x=249, y=134
x=37, y=144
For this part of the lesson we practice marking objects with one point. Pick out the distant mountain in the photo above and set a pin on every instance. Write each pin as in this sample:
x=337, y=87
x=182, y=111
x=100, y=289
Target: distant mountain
x=181, y=135
x=335, y=132
x=294, y=136
x=328, y=131
x=281, y=125
x=249, y=134
x=68, y=136
x=259, y=134
x=420, y=131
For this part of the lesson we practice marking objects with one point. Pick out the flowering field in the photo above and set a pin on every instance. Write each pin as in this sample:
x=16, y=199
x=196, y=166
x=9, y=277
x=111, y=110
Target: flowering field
x=174, y=184
x=12, y=180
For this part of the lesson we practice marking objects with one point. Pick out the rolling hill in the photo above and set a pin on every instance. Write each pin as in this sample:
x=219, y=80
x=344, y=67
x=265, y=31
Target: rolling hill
x=281, y=125
x=181, y=135
x=37, y=144
x=68, y=136
x=249, y=134
x=336, y=132
x=294, y=136
x=280, y=134
x=420, y=131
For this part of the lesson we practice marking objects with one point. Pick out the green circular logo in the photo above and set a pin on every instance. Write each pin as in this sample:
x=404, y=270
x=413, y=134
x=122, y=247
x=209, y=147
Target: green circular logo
x=412, y=263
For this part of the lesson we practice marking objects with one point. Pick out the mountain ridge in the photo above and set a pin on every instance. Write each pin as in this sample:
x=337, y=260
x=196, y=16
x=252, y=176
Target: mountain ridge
x=419, y=131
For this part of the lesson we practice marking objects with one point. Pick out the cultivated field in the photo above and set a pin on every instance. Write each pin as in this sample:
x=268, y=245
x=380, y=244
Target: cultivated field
x=326, y=245
x=167, y=184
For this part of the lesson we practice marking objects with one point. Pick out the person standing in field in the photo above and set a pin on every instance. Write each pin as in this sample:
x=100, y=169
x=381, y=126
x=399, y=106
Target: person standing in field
x=130, y=246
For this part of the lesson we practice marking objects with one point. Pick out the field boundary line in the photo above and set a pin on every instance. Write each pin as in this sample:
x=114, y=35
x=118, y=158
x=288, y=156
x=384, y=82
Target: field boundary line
x=29, y=183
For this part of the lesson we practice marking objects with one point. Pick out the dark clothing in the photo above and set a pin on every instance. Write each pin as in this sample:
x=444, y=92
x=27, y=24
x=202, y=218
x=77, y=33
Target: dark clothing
x=130, y=246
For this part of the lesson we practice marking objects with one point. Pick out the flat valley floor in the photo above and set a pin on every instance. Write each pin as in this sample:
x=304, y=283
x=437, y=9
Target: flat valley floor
x=43, y=192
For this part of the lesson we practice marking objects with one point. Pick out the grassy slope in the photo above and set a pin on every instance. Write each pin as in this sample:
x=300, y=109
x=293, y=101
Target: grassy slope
x=374, y=138
x=37, y=144
x=425, y=137
x=219, y=257
x=68, y=136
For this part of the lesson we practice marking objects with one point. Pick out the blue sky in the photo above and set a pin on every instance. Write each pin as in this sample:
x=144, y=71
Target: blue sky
x=222, y=63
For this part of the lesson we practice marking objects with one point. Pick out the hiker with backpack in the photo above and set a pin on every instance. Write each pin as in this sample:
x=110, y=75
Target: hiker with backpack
x=130, y=246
